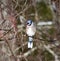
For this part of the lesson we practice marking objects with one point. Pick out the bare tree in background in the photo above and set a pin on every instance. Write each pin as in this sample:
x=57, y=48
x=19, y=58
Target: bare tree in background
x=13, y=39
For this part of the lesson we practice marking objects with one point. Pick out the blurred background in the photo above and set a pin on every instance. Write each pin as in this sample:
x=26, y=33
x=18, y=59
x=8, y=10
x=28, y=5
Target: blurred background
x=13, y=38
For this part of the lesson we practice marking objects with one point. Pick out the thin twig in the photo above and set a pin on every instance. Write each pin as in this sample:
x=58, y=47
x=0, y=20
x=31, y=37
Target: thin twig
x=52, y=52
x=27, y=7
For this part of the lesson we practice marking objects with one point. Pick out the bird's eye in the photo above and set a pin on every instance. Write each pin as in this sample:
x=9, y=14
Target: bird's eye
x=27, y=23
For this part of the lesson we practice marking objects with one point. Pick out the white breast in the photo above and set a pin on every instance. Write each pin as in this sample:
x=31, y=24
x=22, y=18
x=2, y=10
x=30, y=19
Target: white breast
x=30, y=31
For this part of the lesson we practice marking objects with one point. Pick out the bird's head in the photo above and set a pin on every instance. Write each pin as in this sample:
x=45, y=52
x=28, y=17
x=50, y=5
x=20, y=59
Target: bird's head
x=29, y=22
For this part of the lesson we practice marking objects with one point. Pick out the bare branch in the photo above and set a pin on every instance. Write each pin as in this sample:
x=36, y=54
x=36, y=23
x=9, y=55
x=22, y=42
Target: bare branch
x=27, y=7
x=52, y=52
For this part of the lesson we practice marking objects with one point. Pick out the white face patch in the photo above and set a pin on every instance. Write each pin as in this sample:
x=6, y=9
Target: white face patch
x=29, y=22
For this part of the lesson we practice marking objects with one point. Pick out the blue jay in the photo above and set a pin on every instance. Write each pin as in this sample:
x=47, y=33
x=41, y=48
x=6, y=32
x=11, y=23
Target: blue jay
x=30, y=30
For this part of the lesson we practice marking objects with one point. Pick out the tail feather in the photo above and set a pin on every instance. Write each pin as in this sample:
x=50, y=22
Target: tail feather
x=30, y=42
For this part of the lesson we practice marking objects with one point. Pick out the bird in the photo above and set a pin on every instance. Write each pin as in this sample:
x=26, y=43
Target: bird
x=30, y=31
